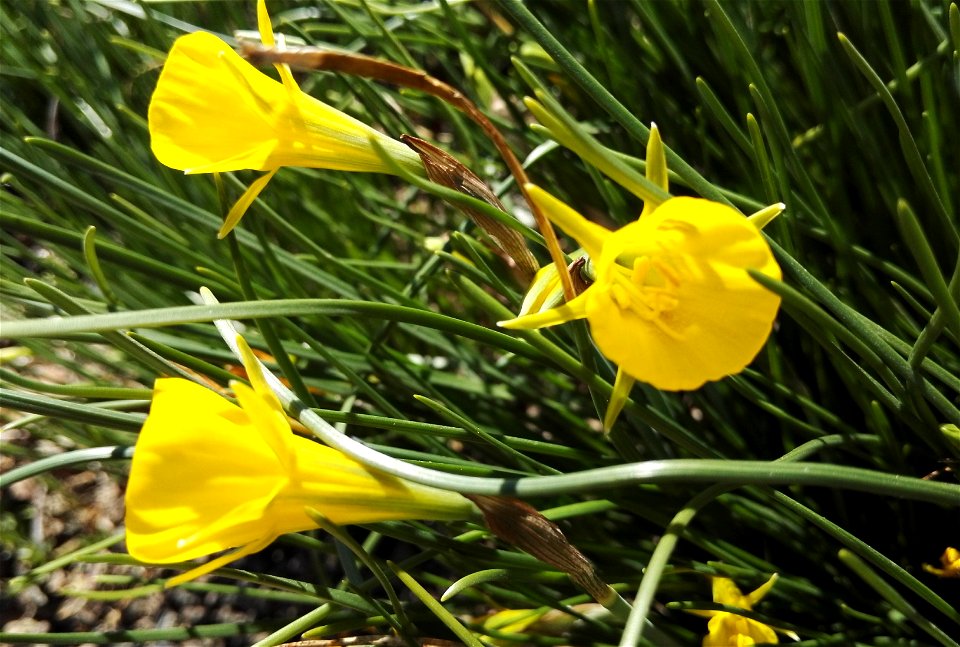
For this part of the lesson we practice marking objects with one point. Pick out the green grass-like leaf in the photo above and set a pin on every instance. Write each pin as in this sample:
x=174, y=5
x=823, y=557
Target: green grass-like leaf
x=825, y=461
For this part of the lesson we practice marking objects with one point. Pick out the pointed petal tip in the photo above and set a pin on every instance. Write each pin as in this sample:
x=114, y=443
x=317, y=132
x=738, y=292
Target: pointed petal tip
x=264, y=25
x=612, y=413
x=618, y=398
x=767, y=215
x=229, y=224
x=519, y=323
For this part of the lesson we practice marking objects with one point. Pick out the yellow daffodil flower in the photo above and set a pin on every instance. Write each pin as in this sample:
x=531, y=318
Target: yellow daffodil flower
x=950, y=561
x=209, y=475
x=212, y=112
x=727, y=629
x=672, y=303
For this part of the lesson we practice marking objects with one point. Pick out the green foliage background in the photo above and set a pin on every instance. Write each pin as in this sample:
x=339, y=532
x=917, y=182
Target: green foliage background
x=760, y=98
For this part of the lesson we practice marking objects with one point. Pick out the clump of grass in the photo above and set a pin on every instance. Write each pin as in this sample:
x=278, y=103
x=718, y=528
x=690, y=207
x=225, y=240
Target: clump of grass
x=829, y=461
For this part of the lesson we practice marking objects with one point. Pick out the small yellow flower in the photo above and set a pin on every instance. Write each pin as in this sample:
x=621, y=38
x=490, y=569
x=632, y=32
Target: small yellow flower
x=209, y=475
x=730, y=630
x=950, y=560
x=672, y=303
x=213, y=112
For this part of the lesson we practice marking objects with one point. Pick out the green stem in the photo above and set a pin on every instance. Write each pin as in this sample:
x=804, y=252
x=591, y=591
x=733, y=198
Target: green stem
x=659, y=471
x=66, y=459
x=435, y=607
x=223, y=630
x=602, y=96
x=661, y=554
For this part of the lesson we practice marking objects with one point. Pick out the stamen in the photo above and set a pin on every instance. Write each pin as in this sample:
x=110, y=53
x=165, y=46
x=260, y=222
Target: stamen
x=641, y=268
x=666, y=270
x=621, y=296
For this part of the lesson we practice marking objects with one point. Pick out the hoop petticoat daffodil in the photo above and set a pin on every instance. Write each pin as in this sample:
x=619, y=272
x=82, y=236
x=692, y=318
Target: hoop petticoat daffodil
x=950, y=561
x=209, y=475
x=672, y=303
x=213, y=112
x=727, y=629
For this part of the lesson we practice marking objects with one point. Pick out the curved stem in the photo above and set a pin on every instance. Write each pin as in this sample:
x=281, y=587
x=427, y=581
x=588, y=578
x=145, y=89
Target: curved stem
x=389, y=72
x=658, y=562
x=67, y=459
x=661, y=554
x=658, y=471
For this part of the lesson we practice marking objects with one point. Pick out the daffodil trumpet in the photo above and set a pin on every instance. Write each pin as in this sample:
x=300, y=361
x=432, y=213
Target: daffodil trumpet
x=210, y=476
x=213, y=112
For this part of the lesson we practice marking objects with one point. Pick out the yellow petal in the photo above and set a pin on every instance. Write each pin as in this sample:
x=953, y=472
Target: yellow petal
x=730, y=630
x=214, y=564
x=950, y=560
x=587, y=149
x=201, y=477
x=618, y=398
x=575, y=309
x=761, y=591
x=240, y=207
x=588, y=235
x=267, y=38
x=543, y=289
x=286, y=77
x=656, y=168
x=265, y=414
x=766, y=215
x=263, y=24
x=254, y=371
x=725, y=591
x=701, y=317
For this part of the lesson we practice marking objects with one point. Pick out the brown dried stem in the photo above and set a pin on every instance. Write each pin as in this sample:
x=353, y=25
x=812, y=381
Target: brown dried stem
x=389, y=72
